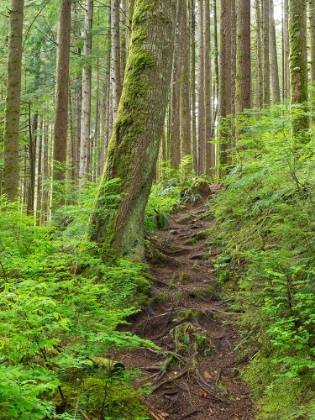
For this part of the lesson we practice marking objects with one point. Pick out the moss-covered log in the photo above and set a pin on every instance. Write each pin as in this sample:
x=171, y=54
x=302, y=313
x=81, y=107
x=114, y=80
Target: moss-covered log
x=134, y=145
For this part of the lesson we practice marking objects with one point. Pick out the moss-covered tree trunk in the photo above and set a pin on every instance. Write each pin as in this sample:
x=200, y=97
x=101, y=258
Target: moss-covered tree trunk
x=134, y=146
x=298, y=63
x=12, y=109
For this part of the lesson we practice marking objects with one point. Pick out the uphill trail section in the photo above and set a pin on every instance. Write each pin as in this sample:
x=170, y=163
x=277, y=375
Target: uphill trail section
x=195, y=375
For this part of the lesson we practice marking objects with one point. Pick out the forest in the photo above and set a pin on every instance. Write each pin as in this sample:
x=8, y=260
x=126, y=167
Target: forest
x=157, y=197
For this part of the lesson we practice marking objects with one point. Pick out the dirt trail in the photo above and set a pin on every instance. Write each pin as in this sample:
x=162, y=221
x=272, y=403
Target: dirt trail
x=195, y=376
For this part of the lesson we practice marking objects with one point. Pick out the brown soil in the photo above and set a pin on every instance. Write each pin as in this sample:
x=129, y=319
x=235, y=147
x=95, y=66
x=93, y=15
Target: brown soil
x=196, y=373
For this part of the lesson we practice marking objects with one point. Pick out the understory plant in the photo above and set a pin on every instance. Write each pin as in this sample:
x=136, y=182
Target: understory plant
x=266, y=231
x=60, y=308
x=173, y=189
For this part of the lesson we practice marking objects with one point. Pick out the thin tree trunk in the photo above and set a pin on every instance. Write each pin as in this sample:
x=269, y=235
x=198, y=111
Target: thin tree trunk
x=259, y=99
x=192, y=26
x=85, y=156
x=10, y=185
x=274, y=57
x=201, y=92
x=174, y=139
x=185, y=87
x=225, y=102
x=286, y=52
x=298, y=63
x=266, y=46
x=209, y=152
x=61, y=118
x=312, y=37
x=115, y=73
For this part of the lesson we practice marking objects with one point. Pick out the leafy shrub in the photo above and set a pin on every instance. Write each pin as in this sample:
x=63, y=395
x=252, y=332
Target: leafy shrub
x=265, y=228
x=59, y=308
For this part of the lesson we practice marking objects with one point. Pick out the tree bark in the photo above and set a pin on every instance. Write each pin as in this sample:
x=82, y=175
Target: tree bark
x=274, y=57
x=312, y=37
x=225, y=100
x=258, y=62
x=266, y=57
x=86, y=95
x=10, y=185
x=201, y=91
x=243, y=77
x=115, y=72
x=61, y=118
x=134, y=146
x=298, y=63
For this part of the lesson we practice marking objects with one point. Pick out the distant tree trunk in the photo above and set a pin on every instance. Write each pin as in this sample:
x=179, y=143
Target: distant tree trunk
x=209, y=149
x=86, y=95
x=174, y=138
x=259, y=100
x=39, y=194
x=185, y=86
x=312, y=37
x=115, y=72
x=243, y=58
x=266, y=47
x=33, y=127
x=286, y=51
x=298, y=62
x=134, y=147
x=201, y=91
x=192, y=26
x=61, y=117
x=225, y=100
x=274, y=57
x=233, y=52
x=10, y=185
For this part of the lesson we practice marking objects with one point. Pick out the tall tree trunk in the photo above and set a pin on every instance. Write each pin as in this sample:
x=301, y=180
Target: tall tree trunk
x=243, y=77
x=115, y=72
x=86, y=95
x=33, y=126
x=274, y=57
x=174, y=139
x=12, y=105
x=225, y=100
x=209, y=149
x=286, y=51
x=266, y=47
x=192, y=26
x=312, y=37
x=201, y=92
x=134, y=146
x=185, y=87
x=298, y=63
x=61, y=117
x=259, y=99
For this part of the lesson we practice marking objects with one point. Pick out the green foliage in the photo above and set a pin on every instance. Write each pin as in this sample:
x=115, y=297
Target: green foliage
x=59, y=308
x=172, y=190
x=265, y=228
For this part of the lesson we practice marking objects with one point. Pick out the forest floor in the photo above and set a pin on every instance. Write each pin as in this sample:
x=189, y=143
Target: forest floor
x=196, y=373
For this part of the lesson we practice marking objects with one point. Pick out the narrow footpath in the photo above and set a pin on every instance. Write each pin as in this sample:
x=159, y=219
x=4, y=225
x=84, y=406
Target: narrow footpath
x=196, y=374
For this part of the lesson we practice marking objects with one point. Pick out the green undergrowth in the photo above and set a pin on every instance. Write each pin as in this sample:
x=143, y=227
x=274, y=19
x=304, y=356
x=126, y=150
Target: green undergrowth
x=59, y=308
x=266, y=232
x=174, y=189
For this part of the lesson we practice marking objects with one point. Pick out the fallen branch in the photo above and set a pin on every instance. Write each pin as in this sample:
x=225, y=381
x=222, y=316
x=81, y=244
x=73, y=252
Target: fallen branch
x=180, y=375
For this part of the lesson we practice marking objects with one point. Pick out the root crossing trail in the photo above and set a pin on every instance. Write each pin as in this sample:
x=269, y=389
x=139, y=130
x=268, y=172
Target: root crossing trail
x=196, y=373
